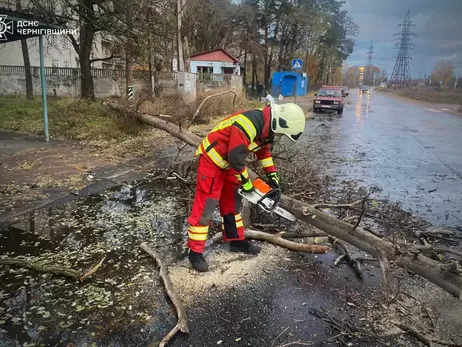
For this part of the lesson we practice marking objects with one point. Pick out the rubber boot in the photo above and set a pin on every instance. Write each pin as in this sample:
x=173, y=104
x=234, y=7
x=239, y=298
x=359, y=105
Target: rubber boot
x=244, y=246
x=198, y=261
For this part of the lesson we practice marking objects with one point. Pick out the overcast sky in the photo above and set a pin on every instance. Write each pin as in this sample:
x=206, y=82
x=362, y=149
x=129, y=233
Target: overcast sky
x=438, y=25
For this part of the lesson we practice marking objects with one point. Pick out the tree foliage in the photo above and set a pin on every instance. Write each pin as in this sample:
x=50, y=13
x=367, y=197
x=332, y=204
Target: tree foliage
x=264, y=34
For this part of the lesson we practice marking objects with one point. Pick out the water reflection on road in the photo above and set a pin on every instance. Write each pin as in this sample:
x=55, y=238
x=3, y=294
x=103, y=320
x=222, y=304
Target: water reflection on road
x=412, y=154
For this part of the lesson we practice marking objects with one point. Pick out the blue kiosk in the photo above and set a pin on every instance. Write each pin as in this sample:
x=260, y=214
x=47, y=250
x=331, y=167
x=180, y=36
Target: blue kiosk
x=289, y=83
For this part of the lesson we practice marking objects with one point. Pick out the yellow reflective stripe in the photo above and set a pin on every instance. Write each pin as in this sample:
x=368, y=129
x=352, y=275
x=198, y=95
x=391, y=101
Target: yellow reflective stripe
x=239, y=224
x=206, y=142
x=244, y=173
x=252, y=146
x=198, y=230
x=197, y=237
x=238, y=216
x=267, y=162
x=249, y=128
x=214, y=155
x=225, y=123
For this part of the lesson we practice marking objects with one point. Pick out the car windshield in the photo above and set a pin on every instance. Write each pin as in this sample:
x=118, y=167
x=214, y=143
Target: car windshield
x=330, y=92
x=365, y=87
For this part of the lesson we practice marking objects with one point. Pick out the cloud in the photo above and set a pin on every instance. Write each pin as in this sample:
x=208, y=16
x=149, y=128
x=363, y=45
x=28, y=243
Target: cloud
x=437, y=23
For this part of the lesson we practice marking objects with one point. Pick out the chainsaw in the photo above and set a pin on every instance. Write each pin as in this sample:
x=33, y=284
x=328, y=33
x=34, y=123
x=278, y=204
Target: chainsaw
x=267, y=199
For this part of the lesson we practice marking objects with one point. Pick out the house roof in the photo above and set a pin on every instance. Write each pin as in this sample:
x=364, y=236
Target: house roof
x=8, y=15
x=211, y=53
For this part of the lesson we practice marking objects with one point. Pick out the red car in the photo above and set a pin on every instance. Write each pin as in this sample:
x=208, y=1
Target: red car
x=329, y=98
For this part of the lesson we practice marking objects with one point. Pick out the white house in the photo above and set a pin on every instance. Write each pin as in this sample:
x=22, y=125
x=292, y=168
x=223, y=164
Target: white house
x=217, y=61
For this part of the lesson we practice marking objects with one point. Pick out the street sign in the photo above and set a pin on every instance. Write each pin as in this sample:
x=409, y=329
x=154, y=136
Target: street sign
x=297, y=64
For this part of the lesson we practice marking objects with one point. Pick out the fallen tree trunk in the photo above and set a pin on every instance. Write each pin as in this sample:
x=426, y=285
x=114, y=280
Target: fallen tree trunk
x=357, y=237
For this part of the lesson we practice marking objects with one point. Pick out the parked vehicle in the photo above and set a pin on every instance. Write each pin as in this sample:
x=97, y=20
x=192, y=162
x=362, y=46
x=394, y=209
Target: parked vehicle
x=364, y=89
x=329, y=98
x=383, y=85
x=345, y=91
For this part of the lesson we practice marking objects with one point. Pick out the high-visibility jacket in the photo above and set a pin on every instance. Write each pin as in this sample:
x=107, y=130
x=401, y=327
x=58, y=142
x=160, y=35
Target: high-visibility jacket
x=231, y=141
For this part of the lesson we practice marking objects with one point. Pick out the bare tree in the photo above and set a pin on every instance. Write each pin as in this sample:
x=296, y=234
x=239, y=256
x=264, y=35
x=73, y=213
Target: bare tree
x=27, y=67
x=443, y=72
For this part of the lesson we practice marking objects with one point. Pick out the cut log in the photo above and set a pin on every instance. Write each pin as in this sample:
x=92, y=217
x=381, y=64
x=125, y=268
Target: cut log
x=366, y=241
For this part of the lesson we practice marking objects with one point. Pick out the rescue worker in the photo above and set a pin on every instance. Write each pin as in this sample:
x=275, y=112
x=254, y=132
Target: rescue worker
x=222, y=170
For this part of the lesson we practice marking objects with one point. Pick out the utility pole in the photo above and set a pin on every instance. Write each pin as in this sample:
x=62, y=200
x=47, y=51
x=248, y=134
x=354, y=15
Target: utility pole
x=455, y=83
x=179, y=38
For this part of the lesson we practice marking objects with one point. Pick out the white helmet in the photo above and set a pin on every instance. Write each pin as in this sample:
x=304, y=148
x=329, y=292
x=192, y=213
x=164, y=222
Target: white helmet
x=287, y=119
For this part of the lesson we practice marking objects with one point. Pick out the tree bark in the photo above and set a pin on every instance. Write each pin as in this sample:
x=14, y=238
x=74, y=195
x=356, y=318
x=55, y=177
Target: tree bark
x=25, y=55
x=358, y=237
x=179, y=45
x=87, y=33
x=265, y=74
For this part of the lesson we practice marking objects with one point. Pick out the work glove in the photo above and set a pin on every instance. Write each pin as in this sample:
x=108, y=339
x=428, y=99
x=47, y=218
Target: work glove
x=274, y=180
x=248, y=187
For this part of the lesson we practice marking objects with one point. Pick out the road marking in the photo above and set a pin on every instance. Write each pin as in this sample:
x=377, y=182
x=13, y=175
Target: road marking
x=432, y=110
x=445, y=109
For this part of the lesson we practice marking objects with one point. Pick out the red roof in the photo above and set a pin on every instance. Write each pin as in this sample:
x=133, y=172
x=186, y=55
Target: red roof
x=215, y=55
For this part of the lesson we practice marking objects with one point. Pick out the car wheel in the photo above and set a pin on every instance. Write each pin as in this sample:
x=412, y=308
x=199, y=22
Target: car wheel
x=340, y=110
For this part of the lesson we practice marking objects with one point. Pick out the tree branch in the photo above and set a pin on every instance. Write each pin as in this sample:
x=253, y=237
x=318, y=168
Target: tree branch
x=182, y=324
x=207, y=98
x=103, y=59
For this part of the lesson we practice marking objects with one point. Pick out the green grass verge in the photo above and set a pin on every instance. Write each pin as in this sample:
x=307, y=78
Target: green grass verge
x=68, y=118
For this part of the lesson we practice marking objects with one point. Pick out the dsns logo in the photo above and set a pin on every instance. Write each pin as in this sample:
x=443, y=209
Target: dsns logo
x=5, y=27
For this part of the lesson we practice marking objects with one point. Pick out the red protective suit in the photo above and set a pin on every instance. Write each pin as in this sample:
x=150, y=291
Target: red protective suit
x=222, y=171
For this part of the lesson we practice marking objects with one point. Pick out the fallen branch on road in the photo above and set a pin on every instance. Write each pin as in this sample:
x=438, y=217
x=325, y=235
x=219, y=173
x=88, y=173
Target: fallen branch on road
x=430, y=248
x=353, y=204
x=57, y=270
x=182, y=324
x=349, y=257
x=279, y=241
x=422, y=338
x=364, y=240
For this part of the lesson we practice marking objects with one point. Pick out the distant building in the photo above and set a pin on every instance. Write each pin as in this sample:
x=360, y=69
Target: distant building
x=58, y=49
x=217, y=61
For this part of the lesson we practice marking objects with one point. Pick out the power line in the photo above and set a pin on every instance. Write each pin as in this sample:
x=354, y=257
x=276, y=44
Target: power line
x=401, y=75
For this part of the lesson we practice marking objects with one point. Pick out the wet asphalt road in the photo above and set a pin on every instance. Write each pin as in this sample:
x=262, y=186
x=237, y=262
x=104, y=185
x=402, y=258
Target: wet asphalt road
x=411, y=152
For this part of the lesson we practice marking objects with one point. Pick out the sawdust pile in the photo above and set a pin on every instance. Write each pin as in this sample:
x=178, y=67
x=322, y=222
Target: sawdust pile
x=226, y=270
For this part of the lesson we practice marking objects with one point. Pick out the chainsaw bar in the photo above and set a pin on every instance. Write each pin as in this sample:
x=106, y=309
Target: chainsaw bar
x=266, y=204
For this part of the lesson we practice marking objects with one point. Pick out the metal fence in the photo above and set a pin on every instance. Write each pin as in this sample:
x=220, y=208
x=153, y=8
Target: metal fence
x=213, y=77
x=75, y=72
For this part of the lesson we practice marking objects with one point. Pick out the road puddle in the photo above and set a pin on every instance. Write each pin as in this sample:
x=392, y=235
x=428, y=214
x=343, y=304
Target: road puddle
x=123, y=301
